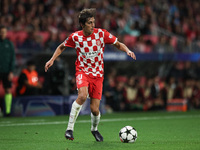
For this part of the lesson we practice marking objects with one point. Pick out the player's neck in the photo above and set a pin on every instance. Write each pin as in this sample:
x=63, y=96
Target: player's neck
x=85, y=33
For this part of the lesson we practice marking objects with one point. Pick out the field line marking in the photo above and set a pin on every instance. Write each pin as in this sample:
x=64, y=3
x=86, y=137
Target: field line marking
x=102, y=120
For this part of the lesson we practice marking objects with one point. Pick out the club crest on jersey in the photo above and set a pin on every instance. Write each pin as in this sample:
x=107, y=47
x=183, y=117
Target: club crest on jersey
x=98, y=42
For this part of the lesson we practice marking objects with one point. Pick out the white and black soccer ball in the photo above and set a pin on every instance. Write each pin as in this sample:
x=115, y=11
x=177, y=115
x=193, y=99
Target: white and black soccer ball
x=128, y=134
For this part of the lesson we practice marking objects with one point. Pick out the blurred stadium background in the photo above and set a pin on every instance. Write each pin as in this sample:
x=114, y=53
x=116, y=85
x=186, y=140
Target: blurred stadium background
x=164, y=34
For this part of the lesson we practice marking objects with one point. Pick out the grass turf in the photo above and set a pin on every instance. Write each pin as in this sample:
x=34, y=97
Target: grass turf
x=156, y=131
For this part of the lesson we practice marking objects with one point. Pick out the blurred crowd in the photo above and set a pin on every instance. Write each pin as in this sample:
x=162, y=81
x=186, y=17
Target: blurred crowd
x=41, y=25
x=153, y=92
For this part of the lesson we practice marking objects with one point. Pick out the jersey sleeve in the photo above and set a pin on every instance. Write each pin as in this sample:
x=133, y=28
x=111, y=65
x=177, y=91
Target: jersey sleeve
x=109, y=38
x=69, y=42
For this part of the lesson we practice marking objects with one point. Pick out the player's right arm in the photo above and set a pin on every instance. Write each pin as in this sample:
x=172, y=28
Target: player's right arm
x=69, y=42
x=57, y=52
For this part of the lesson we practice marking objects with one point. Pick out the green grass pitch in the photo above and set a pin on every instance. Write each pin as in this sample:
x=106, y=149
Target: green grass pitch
x=156, y=131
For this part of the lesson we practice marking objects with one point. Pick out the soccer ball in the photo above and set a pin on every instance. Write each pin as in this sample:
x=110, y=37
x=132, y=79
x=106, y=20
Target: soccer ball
x=128, y=134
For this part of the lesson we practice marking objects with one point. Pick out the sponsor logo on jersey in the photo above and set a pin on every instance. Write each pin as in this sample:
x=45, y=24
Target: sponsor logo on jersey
x=91, y=54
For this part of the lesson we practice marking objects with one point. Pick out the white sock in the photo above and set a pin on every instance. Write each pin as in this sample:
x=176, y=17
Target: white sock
x=73, y=115
x=95, y=121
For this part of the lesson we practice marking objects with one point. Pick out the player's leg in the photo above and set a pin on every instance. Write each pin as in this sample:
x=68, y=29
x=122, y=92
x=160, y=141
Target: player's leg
x=95, y=113
x=7, y=84
x=95, y=92
x=95, y=118
x=8, y=101
x=76, y=107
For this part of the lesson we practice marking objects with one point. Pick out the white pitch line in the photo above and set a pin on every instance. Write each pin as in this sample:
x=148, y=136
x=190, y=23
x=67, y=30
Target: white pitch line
x=102, y=120
x=6, y=122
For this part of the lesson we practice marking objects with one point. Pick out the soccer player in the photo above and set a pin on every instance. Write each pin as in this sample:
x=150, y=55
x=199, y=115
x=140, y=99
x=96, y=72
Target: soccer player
x=7, y=64
x=89, y=44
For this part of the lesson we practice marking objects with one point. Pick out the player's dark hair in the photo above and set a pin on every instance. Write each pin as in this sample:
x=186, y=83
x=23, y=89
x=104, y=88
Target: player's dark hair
x=85, y=14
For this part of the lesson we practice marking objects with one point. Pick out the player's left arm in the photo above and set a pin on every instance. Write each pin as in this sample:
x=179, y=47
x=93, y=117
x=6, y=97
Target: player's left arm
x=123, y=47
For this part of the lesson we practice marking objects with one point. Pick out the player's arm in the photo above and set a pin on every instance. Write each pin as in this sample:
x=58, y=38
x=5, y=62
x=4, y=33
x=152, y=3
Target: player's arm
x=123, y=47
x=57, y=52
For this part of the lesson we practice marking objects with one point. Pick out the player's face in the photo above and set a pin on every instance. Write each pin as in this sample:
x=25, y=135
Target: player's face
x=3, y=33
x=89, y=26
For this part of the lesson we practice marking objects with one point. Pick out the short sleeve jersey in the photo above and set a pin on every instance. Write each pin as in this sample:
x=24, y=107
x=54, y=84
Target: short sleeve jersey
x=90, y=50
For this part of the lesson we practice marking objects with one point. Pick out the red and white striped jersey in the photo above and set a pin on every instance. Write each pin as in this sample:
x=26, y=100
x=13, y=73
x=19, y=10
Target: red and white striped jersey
x=90, y=50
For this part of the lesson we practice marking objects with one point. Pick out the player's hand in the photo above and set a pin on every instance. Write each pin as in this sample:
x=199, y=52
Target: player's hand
x=48, y=65
x=131, y=54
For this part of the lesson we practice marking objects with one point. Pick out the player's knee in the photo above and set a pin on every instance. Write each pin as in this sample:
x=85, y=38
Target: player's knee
x=94, y=110
x=82, y=97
